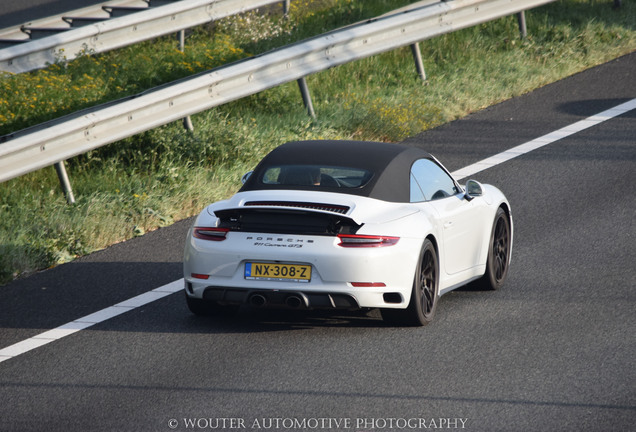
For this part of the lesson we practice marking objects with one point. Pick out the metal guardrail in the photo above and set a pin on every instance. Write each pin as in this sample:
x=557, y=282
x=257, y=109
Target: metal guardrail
x=58, y=140
x=108, y=26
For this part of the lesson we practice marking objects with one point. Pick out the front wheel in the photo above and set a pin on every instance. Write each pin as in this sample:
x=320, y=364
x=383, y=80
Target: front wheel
x=425, y=292
x=498, y=259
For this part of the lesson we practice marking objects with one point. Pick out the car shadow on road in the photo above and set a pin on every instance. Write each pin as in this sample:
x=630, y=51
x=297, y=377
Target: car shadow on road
x=75, y=290
x=251, y=320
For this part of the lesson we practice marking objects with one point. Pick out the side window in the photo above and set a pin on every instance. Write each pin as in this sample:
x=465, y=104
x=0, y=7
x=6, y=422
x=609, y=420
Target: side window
x=430, y=182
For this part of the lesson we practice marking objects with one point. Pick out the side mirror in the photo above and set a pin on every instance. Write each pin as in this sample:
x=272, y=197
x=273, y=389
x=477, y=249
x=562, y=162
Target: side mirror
x=246, y=176
x=473, y=189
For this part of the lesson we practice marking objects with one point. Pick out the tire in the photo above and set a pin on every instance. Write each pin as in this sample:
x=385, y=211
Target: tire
x=425, y=292
x=498, y=260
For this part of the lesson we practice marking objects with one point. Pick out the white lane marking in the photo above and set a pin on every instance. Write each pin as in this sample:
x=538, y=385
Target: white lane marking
x=89, y=320
x=544, y=140
x=150, y=296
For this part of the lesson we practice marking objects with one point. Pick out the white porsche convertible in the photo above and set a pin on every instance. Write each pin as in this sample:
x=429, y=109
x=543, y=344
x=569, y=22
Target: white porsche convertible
x=348, y=224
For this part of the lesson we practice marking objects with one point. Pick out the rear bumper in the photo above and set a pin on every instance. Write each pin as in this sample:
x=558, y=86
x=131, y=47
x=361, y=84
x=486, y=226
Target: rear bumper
x=296, y=299
x=216, y=271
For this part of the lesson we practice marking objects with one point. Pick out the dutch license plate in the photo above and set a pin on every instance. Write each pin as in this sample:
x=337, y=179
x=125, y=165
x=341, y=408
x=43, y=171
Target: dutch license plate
x=278, y=272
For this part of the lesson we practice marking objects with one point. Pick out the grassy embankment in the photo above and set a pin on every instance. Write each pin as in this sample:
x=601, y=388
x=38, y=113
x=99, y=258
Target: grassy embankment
x=167, y=174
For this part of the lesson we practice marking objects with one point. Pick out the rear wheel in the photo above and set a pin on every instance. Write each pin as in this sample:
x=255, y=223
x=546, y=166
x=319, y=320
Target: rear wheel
x=498, y=253
x=424, y=294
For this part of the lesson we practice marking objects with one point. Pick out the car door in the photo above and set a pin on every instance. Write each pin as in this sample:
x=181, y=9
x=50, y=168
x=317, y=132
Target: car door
x=459, y=218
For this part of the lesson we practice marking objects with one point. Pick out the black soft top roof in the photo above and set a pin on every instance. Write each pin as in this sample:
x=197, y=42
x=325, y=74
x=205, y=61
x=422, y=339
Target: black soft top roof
x=389, y=163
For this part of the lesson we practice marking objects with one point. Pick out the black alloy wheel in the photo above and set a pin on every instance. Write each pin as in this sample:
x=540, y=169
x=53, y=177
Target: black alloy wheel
x=428, y=284
x=498, y=260
x=500, y=249
x=424, y=295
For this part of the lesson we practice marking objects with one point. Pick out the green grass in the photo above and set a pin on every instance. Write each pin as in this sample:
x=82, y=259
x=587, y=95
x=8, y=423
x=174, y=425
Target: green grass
x=167, y=174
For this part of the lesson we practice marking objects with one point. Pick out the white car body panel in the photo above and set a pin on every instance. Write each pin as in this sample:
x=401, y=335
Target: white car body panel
x=333, y=266
x=460, y=227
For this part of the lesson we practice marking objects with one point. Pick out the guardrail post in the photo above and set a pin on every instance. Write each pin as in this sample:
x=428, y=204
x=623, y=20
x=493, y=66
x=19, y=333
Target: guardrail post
x=64, y=182
x=417, y=56
x=304, y=91
x=521, y=18
x=617, y=4
x=181, y=36
x=286, y=7
x=187, y=121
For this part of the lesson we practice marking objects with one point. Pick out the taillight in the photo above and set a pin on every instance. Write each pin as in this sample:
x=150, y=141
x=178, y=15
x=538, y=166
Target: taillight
x=354, y=240
x=213, y=234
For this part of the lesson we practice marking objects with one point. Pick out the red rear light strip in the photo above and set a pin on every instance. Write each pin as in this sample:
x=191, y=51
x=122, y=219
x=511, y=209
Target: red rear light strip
x=207, y=233
x=354, y=240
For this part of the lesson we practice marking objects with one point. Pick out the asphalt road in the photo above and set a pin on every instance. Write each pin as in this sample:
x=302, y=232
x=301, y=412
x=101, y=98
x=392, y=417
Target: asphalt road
x=552, y=350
